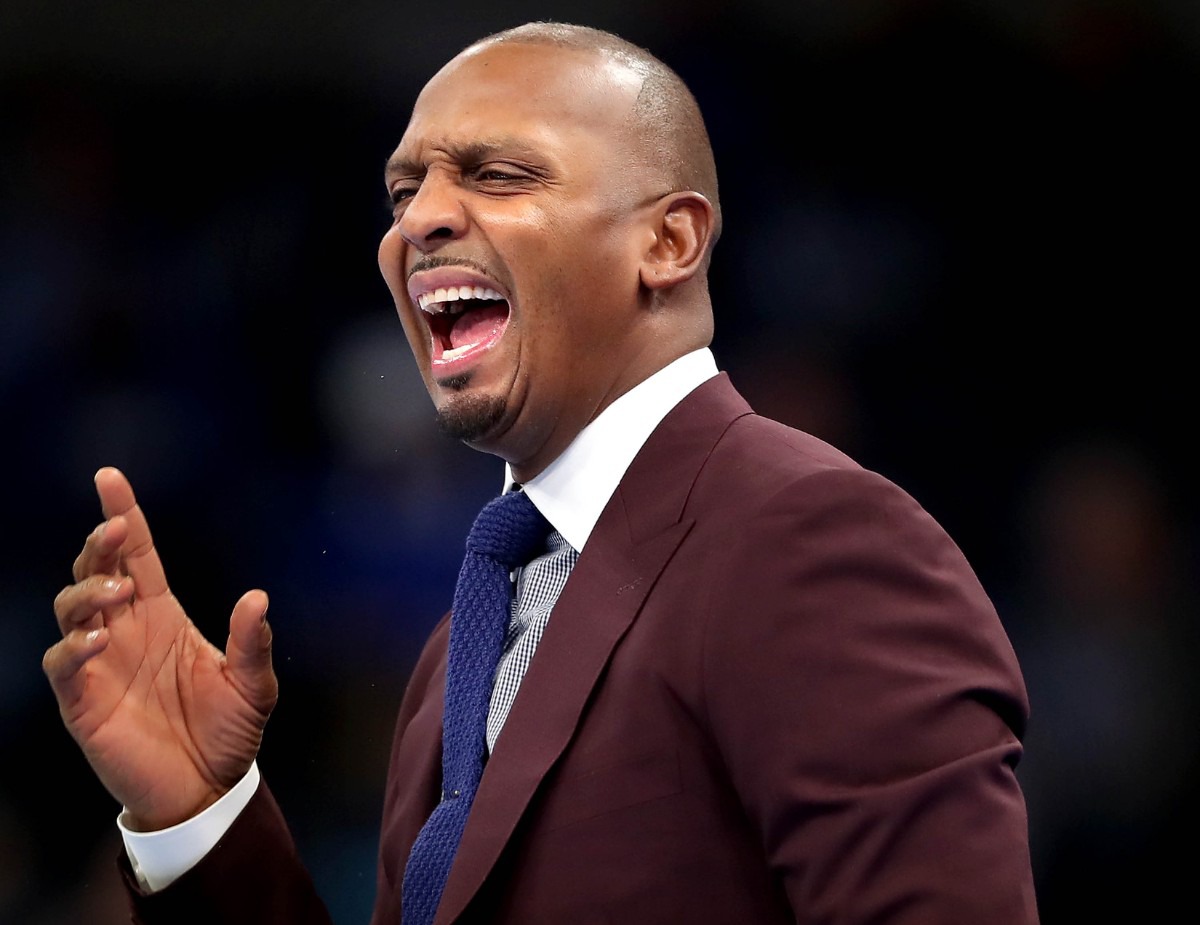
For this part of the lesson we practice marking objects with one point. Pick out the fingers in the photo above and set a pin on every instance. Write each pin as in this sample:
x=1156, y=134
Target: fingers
x=80, y=606
x=64, y=661
x=248, y=652
x=137, y=549
x=101, y=550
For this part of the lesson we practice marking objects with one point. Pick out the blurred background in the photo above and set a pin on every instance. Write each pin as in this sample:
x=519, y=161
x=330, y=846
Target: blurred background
x=960, y=243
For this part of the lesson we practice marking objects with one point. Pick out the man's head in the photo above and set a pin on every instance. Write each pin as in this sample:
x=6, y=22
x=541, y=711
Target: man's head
x=555, y=209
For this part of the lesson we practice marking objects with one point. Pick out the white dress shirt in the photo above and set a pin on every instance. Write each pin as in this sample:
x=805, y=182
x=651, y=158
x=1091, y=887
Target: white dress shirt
x=571, y=492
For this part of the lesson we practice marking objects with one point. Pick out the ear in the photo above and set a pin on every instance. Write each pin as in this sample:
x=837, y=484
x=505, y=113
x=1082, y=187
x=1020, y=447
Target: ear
x=682, y=224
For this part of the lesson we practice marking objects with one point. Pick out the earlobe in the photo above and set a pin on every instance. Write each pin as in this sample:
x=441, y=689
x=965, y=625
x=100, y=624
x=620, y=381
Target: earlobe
x=683, y=227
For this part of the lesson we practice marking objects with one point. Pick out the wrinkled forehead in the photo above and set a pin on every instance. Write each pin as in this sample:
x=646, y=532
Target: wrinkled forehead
x=525, y=88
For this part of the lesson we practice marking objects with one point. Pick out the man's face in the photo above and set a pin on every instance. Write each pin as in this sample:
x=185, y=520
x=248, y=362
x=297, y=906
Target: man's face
x=513, y=258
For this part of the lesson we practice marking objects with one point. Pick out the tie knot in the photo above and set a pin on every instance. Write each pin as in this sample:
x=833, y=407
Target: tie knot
x=509, y=529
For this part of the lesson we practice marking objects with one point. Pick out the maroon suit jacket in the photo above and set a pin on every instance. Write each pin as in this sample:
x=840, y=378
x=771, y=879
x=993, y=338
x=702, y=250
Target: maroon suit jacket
x=772, y=690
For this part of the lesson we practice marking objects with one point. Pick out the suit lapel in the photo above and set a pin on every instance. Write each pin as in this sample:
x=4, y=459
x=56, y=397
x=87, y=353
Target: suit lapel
x=638, y=532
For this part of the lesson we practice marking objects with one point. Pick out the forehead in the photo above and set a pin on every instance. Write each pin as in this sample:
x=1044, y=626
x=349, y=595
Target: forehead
x=541, y=94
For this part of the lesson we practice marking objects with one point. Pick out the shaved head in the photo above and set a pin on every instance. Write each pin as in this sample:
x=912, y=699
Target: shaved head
x=666, y=126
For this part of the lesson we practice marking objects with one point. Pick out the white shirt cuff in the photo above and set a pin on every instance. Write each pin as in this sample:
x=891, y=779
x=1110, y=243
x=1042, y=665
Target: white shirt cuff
x=159, y=858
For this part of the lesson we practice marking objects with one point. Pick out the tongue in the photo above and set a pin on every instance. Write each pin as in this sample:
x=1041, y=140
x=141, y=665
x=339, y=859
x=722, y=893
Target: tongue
x=477, y=325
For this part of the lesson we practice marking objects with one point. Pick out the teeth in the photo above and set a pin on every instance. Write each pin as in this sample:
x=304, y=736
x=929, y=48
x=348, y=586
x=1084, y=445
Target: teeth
x=456, y=352
x=441, y=300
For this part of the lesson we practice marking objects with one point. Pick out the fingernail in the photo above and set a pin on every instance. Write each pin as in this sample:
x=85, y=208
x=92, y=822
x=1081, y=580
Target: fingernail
x=110, y=584
x=92, y=634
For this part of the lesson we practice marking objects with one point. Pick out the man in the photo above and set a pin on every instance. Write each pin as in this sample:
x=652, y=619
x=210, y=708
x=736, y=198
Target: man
x=772, y=689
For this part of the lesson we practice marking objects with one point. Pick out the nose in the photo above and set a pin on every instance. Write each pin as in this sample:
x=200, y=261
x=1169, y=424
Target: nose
x=435, y=212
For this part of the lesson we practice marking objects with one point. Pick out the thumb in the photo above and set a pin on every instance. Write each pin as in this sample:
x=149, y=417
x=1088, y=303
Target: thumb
x=248, y=652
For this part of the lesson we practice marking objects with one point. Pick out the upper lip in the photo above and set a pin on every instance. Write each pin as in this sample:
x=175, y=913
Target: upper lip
x=424, y=286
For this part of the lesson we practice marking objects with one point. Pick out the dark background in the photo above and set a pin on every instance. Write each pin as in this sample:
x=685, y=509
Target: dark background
x=960, y=243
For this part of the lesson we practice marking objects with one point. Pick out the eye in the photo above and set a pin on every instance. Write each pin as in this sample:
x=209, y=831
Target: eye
x=499, y=175
x=495, y=173
x=398, y=196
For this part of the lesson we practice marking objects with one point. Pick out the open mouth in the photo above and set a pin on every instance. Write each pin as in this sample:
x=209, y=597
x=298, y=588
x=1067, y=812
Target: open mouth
x=463, y=320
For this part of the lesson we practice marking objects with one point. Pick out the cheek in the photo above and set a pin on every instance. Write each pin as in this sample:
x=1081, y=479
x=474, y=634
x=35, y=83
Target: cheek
x=418, y=339
x=391, y=263
x=579, y=281
x=594, y=267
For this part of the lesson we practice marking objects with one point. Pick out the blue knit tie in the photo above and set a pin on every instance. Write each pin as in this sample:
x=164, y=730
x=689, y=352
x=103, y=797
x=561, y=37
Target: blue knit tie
x=508, y=532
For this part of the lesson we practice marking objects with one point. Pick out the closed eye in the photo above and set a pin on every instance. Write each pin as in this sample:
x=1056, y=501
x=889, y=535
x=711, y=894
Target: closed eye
x=396, y=198
x=398, y=194
x=497, y=173
x=502, y=175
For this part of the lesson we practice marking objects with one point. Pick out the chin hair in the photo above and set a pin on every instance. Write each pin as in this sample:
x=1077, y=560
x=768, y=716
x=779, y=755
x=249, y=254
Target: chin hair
x=470, y=418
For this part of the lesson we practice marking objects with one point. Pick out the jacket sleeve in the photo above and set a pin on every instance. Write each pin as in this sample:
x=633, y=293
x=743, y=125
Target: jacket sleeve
x=869, y=707
x=253, y=876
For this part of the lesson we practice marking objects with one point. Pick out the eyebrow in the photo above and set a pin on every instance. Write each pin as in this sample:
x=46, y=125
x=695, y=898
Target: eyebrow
x=473, y=152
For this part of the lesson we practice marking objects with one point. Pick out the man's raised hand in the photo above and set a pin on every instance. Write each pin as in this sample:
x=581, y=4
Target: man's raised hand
x=167, y=721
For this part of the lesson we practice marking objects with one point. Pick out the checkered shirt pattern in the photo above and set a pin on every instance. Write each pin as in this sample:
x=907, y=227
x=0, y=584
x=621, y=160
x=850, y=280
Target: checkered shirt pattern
x=538, y=586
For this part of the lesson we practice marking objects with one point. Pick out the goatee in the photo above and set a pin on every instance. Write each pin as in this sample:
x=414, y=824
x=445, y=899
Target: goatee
x=470, y=418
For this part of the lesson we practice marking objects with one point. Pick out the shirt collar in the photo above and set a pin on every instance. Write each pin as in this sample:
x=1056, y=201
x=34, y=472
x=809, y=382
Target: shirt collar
x=572, y=491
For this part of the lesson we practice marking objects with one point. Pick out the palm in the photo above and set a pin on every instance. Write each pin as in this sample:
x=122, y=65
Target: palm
x=162, y=687
x=166, y=719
